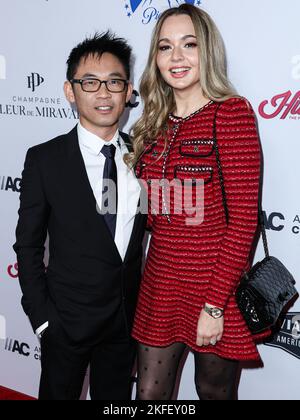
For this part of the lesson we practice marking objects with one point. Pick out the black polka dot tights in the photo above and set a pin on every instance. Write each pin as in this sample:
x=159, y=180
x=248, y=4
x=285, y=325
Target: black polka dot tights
x=215, y=377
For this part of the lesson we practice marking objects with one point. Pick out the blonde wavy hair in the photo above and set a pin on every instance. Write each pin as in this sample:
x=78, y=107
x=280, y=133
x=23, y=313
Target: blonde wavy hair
x=157, y=95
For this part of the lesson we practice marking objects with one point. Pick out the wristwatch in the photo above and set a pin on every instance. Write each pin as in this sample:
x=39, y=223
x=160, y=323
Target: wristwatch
x=216, y=313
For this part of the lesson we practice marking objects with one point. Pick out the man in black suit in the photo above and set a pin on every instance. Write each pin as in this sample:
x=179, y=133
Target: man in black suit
x=82, y=306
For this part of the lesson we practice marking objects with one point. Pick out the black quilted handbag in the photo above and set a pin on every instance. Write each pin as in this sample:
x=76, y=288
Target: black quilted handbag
x=265, y=291
x=268, y=287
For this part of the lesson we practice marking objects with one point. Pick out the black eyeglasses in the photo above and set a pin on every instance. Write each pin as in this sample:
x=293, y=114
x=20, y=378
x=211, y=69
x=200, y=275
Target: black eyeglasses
x=93, y=85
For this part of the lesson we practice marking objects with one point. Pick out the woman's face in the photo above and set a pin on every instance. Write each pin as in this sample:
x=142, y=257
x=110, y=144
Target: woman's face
x=178, y=56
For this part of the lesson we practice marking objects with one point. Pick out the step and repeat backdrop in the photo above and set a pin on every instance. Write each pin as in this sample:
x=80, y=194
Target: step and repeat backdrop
x=263, y=46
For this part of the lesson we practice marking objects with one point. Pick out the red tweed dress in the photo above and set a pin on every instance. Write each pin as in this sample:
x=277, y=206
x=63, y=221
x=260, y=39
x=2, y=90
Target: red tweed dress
x=188, y=265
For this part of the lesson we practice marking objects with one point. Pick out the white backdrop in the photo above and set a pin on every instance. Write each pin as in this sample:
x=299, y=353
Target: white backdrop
x=262, y=39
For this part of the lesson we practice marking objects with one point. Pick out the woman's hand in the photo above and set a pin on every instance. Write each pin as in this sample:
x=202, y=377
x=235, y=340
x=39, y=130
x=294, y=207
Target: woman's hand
x=209, y=330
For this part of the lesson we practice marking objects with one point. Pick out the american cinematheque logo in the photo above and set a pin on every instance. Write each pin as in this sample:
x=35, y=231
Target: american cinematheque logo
x=277, y=221
x=149, y=10
x=9, y=183
x=19, y=348
x=288, y=338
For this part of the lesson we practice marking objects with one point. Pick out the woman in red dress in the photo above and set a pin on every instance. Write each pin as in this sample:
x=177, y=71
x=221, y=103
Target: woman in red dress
x=187, y=295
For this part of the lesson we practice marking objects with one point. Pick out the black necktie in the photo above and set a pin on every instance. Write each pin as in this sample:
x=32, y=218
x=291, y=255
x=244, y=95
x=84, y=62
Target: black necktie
x=110, y=188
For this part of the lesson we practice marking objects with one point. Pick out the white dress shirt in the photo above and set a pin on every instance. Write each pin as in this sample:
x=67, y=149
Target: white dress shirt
x=128, y=187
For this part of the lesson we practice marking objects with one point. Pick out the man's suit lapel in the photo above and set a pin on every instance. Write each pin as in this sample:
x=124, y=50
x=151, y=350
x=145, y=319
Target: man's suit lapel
x=79, y=184
x=127, y=141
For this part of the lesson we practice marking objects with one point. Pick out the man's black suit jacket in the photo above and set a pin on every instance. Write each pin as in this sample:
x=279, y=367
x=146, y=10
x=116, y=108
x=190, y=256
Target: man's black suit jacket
x=86, y=283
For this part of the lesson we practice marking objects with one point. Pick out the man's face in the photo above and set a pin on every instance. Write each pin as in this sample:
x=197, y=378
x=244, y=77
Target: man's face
x=99, y=111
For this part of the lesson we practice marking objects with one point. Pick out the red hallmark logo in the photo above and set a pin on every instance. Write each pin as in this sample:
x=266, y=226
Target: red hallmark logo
x=283, y=103
x=13, y=271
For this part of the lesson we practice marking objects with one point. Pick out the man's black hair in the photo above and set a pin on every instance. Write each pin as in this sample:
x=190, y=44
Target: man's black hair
x=99, y=44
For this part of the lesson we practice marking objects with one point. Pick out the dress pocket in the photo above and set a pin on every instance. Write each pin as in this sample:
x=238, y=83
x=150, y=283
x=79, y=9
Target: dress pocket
x=190, y=174
x=197, y=148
